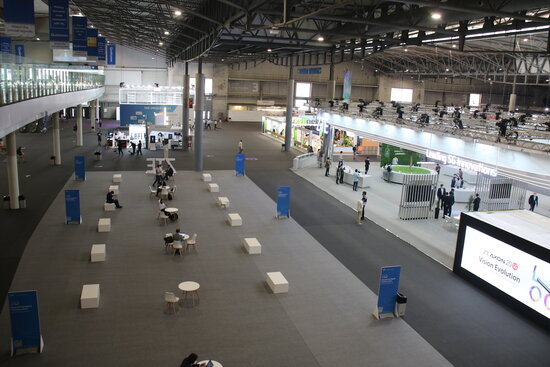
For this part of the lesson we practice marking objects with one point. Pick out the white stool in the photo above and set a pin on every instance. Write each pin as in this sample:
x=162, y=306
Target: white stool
x=109, y=207
x=98, y=253
x=277, y=282
x=206, y=177
x=89, y=298
x=252, y=246
x=213, y=187
x=223, y=202
x=114, y=189
x=117, y=178
x=104, y=225
x=234, y=219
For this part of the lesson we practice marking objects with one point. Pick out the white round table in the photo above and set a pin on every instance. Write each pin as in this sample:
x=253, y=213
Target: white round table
x=214, y=363
x=189, y=287
x=172, y=211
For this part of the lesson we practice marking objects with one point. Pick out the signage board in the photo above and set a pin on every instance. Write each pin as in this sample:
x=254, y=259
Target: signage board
x=387, y=289
x=283, y=201
x=111, y=54
x=460, y=162
x=19, y=18
x=101, y=56
x=59, y=23
x=79, y=168
x=239, y=164
x=91, y=43
x=80, y=26
x=72, y=207
x=346, y=91
x=24, y=321
x=5, y=45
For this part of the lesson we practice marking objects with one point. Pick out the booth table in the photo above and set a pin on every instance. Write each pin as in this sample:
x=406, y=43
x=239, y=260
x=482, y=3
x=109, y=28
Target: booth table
x=348, y=177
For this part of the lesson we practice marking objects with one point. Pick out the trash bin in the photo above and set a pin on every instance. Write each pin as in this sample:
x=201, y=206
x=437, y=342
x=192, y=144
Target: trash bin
x=22, y=202
x=401, y=304
x=6, y=202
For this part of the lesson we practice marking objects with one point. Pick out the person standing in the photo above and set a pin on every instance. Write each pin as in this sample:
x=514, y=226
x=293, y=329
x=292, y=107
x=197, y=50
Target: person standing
x=139, y=152
x=327, y=166
x=450, y=202
x=440, y=194
x=342, y=171
x=364, y=199
x=240, y=146
x=158, y=175
x=338, y=169
x=453, y=182
x=320, y=158
x=359, y=208
x=445, y=203
x=533, y=201
x=437, y=169
x=394, y=161
x=20, y=154
x=354, y=151
x=367, y=165
x=99, y=139
x=119, y=147
x=355, y=179
x=477, y=201
x=133, y=148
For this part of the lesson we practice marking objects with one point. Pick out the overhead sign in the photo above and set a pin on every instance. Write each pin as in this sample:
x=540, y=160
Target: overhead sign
x=387, y=289
x=72, y=206
x=283, y=201
x=101, y=56
x=19, y=18
x=239, y=164
x=25, y=322
x=91, y=43
x=59, y=23
x=111, y=55
x=80, y=46
x=5, y=45
x=346, y=91
x=460, y=162
x=304, y=71
x=79, y=167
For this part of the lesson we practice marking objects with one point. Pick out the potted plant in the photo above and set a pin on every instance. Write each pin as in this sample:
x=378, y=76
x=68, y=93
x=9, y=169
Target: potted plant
x=97, y=155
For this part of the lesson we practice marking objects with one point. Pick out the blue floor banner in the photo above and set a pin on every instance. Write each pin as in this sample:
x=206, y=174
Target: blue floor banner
x=387, y=290
x=25, y=322
x=239, y=164
x=72, y=207
x=283, y=201
x=79, y=168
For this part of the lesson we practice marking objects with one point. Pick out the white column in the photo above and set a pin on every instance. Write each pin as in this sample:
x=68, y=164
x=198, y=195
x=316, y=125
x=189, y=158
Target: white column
x=56, y=139
x=79, y=135
x=96, y=105
x=512, y=104
x=331, y=89
x=92, y=115
x=13, y=174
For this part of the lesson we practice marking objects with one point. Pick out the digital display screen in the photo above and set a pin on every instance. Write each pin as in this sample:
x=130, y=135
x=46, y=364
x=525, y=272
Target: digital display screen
x=516, y=273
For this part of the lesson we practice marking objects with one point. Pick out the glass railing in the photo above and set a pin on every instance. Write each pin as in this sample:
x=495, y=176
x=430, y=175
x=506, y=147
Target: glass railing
x=22, y=79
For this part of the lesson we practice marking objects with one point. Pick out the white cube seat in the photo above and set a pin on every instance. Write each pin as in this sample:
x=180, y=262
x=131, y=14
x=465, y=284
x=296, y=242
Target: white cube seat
x=223, y=202
x=234, y=219
x=252, y=246
x=109, y=207
x=104, y=225
x=89, y=298
x=277, y=282
x=206, y=177
x=213, y=187
x=117, y=178
x=114, y=189
x=98, y=253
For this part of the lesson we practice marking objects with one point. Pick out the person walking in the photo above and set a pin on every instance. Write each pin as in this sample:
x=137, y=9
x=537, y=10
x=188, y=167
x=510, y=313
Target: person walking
x=437, y=169
x=477, y=201
x=327, y=166
x=139, y=152
x=338, y=169
x=133, y=148
x=440, y=194
x=533, y=201
x=354, y=151
x=320, y=158
x=367, y=165
x=342, y=171
x=99, y=139
x=240, y=146
x=119, y=147
x=364, y=199
x=158, y=175
x=20, y=154
x=355, y=179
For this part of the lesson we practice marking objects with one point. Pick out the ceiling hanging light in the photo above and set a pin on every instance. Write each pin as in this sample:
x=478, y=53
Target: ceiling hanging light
x=161, y=43
x=177, y=13
x=436, y=16
x=269, y=50
x=167, y=33
x=320, y=38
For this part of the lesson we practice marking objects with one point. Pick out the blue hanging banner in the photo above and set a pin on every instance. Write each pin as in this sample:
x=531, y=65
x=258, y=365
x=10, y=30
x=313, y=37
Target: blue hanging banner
x=59, y=23
x=387, y=290
x=101, y=49
x=19, y=18
x=5, y=45
x=111, y=55
x=80, y=45
x=79, y=168
x=239, y=164
x=91, y=43
x=25, y=322
x=72, y=207
x=283, y=201
x=20, y=50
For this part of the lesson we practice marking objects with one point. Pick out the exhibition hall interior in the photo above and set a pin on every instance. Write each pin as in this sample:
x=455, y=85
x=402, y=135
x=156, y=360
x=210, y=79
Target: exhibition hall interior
x=274, y=183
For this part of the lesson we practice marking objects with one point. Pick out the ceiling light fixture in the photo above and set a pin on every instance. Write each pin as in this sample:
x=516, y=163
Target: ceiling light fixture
x=161, y=43
x=320, y=38
x=406, y=50
x=38, y=38
x=525, y=39
x=454, y=46
x=167, y=33
x=177, y=13
x=269, y=50
x=436, y=16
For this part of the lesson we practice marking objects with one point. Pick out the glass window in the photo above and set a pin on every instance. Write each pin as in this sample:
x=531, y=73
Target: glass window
x=303, y=90
x=475, y=99
x=401, y=95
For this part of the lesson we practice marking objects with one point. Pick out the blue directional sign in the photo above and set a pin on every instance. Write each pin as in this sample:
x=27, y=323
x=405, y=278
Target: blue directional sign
x=387, y=290
x=72, y=206
x=79, y=167
x=283, y=201
x=24, y=321
x=239, y=164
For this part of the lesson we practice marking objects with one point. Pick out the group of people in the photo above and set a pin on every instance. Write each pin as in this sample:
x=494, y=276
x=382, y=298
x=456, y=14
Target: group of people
x=445, y=200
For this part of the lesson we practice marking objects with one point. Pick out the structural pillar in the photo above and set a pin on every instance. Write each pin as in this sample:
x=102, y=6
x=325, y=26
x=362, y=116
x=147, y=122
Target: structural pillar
x=185, y=109
x=13, y=174
x=331, y=85
x=513, y=97
x=92, y=114
x=56, y=139
x=199, y=108
x=289, y=107
x=79, y=135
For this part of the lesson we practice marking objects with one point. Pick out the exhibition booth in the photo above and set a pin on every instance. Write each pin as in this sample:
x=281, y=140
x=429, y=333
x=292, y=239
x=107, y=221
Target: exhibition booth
x=306, y=130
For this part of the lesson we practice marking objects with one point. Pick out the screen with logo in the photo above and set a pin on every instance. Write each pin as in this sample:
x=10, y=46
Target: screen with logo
x=516, y=273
